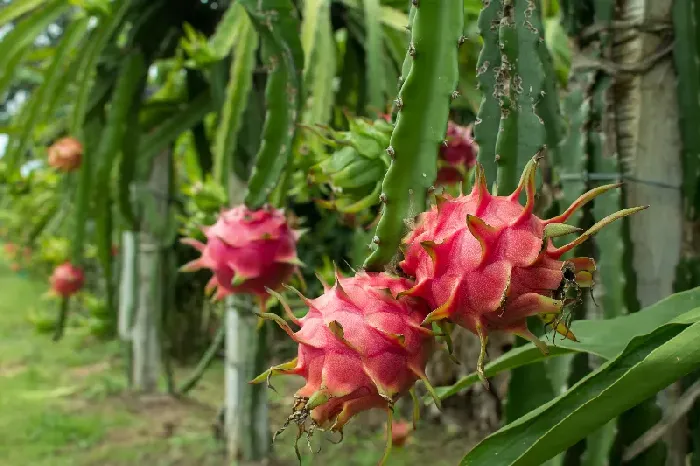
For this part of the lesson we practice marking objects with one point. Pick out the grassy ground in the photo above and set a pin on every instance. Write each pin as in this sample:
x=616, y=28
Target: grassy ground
x=66, y=404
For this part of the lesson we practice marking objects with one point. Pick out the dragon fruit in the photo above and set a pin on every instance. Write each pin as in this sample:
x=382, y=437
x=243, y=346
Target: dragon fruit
x=486, y=262
x=66, y=154
x=457, y=155
x=248, y=251
x=67, y=280
x=360, y=348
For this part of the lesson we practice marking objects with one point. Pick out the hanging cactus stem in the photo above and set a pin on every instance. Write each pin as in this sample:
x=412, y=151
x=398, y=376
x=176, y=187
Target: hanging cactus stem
x=430, y=76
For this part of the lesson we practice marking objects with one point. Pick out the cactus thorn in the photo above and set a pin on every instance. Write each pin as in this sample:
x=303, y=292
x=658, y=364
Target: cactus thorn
x=455, y=94
x=462, y=40
x=390, y=151
x=383, y=198
x=412, y=50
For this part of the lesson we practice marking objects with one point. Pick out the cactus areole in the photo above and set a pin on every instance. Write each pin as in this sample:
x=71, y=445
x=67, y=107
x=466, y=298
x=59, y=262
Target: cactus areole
x=360, y=347
x=66, y=154
x=67, y=280
x=248, y=251
x=487, y=262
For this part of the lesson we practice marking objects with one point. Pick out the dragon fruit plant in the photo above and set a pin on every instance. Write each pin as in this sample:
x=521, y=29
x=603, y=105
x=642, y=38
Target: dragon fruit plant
x=66, y=154
x=360, y=347
x=248, y=251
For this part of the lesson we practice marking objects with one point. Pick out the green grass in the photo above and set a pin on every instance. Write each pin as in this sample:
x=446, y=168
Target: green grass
x=66, y=404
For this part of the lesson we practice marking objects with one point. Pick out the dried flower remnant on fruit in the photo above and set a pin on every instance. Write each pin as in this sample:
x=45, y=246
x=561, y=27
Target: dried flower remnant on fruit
x=360, y=347
x=487, y=262
x=248, y=251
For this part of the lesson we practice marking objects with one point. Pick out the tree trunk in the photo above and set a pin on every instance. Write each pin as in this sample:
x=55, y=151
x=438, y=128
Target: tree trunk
x=245, y=413
x=127, y=285
x=247, y=430
x=648, y=141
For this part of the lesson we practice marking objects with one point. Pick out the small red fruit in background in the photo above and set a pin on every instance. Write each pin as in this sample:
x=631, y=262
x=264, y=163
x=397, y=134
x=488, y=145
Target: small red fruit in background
x=11, y=249
x=66, y=154
x=457, y=156
x=67, y=280
x=400, y=432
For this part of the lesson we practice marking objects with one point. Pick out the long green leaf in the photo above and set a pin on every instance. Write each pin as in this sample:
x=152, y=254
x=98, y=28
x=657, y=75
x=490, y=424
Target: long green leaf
x=374, y=50
x=17, y=42
x=89, y=63
x=647, y=365
x=388, y=16
x=131, y=76
x=14, y=10
x=226, y=32
x=52, y=85
x=319, y=67
x=158, y=139
x=279, y=28
x=237, y=90
x=604, y=338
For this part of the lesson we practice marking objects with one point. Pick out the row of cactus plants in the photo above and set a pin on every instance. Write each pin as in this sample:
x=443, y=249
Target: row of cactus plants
x=485, y=261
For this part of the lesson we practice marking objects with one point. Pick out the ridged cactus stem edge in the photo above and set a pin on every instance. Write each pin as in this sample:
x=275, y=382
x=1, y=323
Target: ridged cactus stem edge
x=423, y=108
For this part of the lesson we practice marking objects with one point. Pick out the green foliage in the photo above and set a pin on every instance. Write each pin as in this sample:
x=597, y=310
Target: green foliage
x=278, y=26
x=245, y=43
x=686, y=17
x=489, y=116
x=603, y=338
x=519, y=84
x=355, y=169
x=648, y=364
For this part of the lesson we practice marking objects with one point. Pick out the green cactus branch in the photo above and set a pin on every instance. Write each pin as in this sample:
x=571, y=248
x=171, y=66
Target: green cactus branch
x=686, y=24
x=489, y=115
x=279, y=28
x=423, y=106
x=519, y=84
x=237, y=91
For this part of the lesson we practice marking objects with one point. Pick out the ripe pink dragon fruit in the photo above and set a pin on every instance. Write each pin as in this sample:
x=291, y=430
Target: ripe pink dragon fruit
x=67, y=280
x=486, y=262
x=360, y=348
x=457, y=156
x=248, y=251
x=66, y=154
